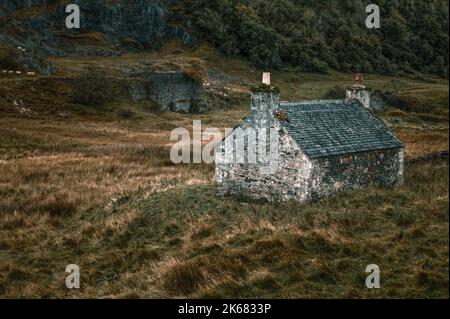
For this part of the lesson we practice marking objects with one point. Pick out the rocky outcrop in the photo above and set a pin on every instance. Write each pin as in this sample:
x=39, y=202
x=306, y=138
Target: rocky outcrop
x=126, y=24
x=37, y=63
x=138, y=92
x=171, y=90
x=10, y=6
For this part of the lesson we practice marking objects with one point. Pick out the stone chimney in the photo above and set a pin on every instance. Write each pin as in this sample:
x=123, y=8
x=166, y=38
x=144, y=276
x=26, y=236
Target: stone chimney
x=359, y=91
x=265, y=97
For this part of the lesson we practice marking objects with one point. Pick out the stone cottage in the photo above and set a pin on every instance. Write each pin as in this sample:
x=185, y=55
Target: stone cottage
x=323, y=147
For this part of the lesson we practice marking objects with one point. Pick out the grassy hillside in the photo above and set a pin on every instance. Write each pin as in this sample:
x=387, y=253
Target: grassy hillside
x=95, y=186
x=188, y=242
x=312, y=36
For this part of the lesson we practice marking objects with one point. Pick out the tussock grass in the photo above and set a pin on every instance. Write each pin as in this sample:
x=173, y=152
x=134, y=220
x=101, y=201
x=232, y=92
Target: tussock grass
x=189, y=242
x=98, y=189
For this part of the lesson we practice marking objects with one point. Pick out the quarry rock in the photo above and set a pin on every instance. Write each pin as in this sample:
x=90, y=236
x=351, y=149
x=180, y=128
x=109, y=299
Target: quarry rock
x=138, y=92
x=171, y=91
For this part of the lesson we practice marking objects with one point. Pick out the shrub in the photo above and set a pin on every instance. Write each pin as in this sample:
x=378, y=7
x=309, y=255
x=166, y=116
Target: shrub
x=184, y=278
x=402, y=103
x=92, y=88
x=314, y=36
x=8, y=60
x=126, y=114
x=336, y=93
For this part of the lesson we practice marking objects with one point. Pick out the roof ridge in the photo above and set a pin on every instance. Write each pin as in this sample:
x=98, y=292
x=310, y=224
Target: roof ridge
x=315, y=101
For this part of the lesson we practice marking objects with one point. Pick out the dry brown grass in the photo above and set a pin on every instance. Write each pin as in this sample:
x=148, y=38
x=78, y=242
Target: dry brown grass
x=71, y=166
x=421, y=141
x=98, y=190
x=99, y=207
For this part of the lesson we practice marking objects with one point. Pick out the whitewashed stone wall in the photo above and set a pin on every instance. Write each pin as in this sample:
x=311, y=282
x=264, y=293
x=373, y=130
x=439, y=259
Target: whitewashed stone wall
x=290, y=181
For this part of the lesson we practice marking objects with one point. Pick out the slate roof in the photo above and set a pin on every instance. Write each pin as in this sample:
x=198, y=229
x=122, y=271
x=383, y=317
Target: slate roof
x=335, y=127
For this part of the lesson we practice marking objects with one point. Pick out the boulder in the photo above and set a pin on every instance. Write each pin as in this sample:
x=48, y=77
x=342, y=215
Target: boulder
x=377, y=103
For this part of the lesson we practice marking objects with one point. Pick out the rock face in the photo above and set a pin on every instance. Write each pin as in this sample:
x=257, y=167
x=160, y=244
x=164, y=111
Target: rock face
x=138, y=92
x=108, y=28
x=36, y=62
x=174, y=91
x=128, y=24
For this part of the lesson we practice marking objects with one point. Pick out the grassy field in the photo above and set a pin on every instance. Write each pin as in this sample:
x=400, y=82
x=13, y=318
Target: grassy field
x=96, y=187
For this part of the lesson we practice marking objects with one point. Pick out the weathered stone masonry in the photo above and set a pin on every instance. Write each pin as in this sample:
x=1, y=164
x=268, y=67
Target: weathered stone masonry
x=378, y=168
x=324, y=147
